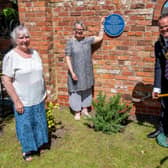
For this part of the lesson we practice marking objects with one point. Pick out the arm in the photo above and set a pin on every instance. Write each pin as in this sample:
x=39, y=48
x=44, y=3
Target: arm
x=101, y=32
x=157, y=75
x=7, y=82
x=68, y=60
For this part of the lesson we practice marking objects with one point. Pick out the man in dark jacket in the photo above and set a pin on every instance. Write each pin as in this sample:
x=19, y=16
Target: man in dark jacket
x=161, y=75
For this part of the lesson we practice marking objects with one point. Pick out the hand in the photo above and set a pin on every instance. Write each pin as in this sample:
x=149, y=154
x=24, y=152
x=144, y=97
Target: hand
x=19, y=106
x=155, y=95
x=102, y=20
x=74, y=77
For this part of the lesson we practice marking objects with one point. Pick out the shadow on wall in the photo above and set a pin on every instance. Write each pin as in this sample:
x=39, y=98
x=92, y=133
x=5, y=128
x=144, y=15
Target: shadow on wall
x=96, y=46
x=146, y=109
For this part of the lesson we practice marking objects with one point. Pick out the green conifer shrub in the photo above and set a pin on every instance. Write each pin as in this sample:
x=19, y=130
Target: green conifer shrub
x=110, y=114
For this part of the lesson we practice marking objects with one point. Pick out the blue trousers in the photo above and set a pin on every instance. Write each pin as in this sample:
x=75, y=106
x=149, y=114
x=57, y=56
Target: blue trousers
x=80, y=99
x=31, y=127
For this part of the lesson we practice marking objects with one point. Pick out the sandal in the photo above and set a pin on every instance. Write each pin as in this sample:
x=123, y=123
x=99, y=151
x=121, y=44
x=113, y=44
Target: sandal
x=77, y=116
x=85, y=113
x=42, y=151
x=27, y=156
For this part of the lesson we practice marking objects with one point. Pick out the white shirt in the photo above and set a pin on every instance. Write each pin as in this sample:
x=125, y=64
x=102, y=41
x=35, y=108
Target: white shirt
x=27, y=74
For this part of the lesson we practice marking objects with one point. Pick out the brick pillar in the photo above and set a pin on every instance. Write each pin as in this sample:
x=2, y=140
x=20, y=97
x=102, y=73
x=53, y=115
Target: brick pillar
x=36, y=15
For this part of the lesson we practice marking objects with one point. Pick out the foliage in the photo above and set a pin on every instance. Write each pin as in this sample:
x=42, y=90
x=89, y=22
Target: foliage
x=9, y=19
x=110, y=114
x=50, y=117
x=13, y=1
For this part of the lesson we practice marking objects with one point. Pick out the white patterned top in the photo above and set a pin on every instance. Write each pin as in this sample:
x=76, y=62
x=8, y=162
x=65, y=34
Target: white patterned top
x=27, y=75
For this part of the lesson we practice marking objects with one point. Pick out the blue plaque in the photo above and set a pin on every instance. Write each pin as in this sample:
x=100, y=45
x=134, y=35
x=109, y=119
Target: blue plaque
x=114, y=25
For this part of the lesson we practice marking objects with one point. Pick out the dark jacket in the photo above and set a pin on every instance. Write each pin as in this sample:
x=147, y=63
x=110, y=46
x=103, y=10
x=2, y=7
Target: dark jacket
x=160, y=61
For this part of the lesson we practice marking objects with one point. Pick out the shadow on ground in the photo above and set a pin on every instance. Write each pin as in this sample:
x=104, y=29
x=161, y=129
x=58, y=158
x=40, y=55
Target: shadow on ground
x=6, y=113
x=162, y=161
x=146, y=109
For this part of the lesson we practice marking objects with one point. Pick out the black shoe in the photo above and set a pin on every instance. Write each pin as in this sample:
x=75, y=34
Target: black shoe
x=154, y=134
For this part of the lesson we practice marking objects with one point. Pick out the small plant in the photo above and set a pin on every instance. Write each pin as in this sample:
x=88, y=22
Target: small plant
x=110, y=114
x=14, y=1
x=50, y=117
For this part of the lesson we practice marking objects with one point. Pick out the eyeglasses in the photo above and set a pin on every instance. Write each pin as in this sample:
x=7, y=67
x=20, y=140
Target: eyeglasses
x=163, y=27
x=79, y=29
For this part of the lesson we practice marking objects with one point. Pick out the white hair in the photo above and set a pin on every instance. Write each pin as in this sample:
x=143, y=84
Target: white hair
x=21, y=29
x=79, y=23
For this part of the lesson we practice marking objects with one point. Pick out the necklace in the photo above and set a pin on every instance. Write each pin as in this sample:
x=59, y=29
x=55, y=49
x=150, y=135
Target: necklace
x=25, y=54
x=165, y=49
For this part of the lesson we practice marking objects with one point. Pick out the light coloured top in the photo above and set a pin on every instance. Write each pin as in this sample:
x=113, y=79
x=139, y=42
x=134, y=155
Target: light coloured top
x=81, y=59
x=27, y=75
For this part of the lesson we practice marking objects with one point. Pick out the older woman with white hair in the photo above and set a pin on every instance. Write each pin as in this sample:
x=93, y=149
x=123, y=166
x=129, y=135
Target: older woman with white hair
x=23, y=79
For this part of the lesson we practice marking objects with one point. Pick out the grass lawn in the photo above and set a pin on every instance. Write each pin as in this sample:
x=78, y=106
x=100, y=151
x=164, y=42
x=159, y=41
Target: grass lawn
x=81, y=147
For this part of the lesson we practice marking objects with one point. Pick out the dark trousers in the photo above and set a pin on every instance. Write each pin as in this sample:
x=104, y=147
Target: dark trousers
x=163, y=124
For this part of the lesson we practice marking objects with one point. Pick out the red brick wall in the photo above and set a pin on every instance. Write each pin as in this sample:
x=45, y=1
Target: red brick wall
x=122, y=65
x=36, y=15
x=158, y=8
